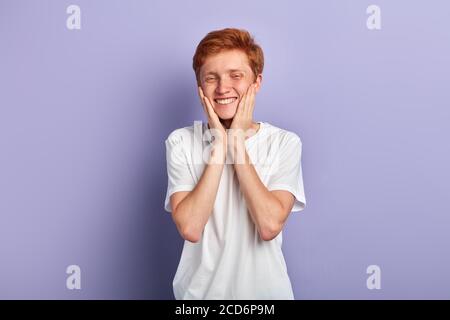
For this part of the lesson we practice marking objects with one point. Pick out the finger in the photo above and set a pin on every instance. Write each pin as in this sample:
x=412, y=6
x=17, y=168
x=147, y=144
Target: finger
x=213, y=115
x=247, y=101
x=244, y=108
x=251, y=102
x=207, y=106
x=200, y=92
x=241, y=105
x=202, y=99
x=205, y=99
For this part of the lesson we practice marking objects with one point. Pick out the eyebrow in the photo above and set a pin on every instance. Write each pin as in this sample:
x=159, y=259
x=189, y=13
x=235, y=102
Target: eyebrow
x=229, y=71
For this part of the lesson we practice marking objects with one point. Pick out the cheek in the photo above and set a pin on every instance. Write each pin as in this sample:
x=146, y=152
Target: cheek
x=208, y=91
x=243, y=87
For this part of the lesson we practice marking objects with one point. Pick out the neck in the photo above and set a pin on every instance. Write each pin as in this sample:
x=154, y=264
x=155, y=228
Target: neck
x=227, y=123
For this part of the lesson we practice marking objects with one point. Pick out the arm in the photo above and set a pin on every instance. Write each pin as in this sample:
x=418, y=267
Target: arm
x=268, y=209
x=192, y=209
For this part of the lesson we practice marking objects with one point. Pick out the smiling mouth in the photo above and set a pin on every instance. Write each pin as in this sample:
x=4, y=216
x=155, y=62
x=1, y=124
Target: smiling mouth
x=225, y=101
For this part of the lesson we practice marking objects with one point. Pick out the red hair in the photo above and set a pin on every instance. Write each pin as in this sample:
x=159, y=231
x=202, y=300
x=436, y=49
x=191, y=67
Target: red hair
x=228, y=39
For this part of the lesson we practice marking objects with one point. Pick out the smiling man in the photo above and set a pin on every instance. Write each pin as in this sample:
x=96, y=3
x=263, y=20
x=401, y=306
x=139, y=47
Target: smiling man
x=231, y=208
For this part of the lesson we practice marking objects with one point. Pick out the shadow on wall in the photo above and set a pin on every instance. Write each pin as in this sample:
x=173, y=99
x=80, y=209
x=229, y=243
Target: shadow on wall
x=158, y=245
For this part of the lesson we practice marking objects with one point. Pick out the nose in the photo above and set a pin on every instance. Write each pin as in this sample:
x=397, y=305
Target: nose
x=223, y=87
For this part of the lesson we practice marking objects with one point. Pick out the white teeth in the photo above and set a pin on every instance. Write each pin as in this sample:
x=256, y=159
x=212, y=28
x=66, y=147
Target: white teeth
x=225, y=101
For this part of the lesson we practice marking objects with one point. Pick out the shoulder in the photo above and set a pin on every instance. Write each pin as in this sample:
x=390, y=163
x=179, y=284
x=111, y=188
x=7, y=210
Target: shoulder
x=284, y=136
x=181, y=135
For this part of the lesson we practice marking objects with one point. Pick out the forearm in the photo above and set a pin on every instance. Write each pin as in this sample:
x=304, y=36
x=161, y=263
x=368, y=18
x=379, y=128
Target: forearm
x=193, y=212
x=263, y=206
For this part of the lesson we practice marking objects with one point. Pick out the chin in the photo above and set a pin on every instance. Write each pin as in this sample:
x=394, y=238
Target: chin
x=226, y=115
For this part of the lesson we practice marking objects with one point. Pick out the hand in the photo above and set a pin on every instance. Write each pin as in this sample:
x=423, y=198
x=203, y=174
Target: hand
x=217, y=129
x=242, y=122
x=213, y=118
x=243, y=118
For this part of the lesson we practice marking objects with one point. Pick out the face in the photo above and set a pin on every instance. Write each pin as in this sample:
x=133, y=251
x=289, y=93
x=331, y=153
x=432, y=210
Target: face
x=225, y=77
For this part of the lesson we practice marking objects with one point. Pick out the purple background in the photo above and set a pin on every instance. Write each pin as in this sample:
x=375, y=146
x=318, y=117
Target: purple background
x=84, y=115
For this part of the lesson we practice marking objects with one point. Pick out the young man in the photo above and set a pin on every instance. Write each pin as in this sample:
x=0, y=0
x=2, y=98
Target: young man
x=232, y=182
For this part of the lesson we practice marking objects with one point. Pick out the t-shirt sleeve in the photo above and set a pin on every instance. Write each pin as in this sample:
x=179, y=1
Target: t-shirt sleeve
x=178, y=171
x=287, y=171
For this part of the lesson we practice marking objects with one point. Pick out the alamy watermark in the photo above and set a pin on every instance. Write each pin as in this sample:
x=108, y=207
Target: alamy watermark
x=374, y=20
x=73, y=281
x=374, y=280
x=73, y=21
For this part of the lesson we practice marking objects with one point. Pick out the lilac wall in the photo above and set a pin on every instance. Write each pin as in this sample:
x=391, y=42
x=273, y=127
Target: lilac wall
x=84, y=114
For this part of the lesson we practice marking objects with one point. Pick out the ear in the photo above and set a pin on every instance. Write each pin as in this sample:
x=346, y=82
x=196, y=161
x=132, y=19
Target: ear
x=258, y=82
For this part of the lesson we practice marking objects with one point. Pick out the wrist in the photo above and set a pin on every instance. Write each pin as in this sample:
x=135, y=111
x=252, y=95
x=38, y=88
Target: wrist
x=218, y=151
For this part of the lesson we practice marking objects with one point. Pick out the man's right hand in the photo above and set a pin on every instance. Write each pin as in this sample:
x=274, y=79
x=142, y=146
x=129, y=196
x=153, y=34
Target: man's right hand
x=216, y=127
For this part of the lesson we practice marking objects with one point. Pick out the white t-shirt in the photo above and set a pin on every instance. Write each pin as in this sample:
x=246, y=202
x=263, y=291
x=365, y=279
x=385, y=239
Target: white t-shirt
x=231, y=261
